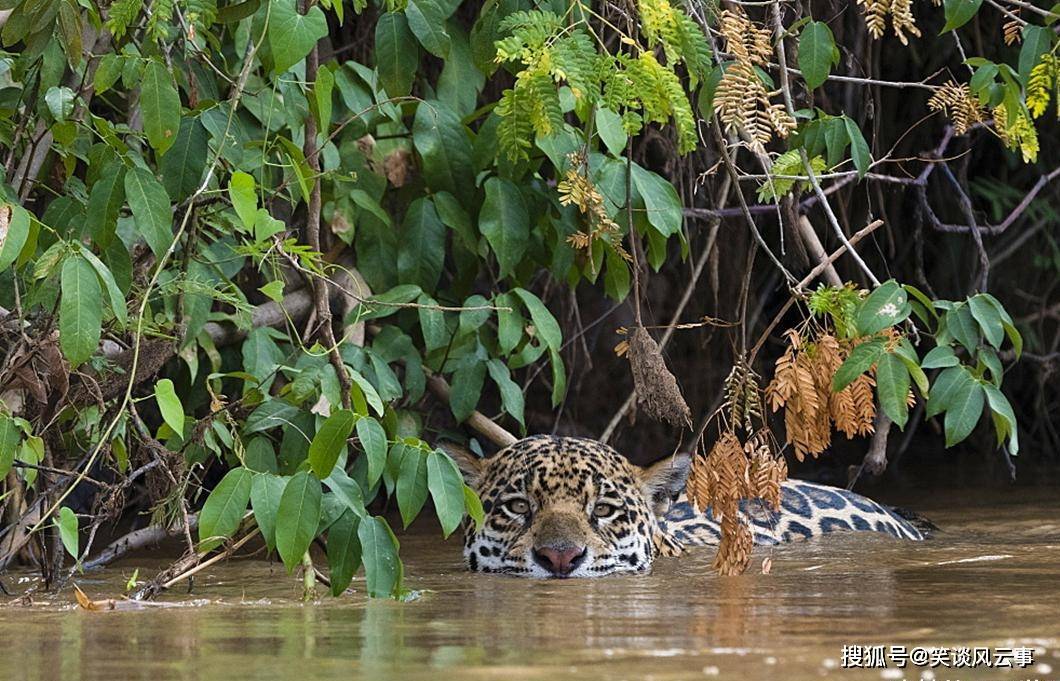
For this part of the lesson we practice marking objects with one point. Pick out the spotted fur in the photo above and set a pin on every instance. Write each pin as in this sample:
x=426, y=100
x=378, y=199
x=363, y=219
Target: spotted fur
x=547, y=498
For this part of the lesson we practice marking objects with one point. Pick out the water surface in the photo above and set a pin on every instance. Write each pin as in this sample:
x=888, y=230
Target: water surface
x=992, y=579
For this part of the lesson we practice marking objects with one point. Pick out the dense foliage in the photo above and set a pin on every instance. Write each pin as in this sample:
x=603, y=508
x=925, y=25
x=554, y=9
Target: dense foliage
x=241, y=240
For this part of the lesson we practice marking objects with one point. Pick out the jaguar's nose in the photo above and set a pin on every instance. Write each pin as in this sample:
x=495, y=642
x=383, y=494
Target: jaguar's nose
x=560, y=560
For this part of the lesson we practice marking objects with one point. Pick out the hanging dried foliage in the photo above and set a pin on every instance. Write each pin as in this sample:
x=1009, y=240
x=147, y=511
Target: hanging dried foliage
x=957, y=102
x=901, y=13
x=741, y=99
x=578, y=190
x=802, y=386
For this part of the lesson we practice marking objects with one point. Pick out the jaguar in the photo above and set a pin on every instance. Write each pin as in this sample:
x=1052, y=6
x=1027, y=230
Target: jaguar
x=557, y=507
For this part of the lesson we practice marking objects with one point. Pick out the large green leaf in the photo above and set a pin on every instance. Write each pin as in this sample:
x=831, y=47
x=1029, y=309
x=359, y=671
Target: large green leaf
x=160, y=105
x=963, y=412
x=244, y=197
x=426, y=19
x=1037, y=40
x=379, y=552
x=948, y=385
x=411, y=484
x=184, y=164
x=14, y=237
x=1004, y=418
x=959, y=12
x=886, y=306
x=467, y=388
x=892, y=387
x=292, y=35
x=859, y=148
x=265, y=495
x=986, y=314
x=104, y=204
x=80, y=310
x=442, y=142
x=10, y=435
x=150, y=208
x=505, y=223
x=170, y=406
x=661, y=201
x=609, y=128
x=297, y=518
x=68, y=523
x=421, y=254
x=962, y=325
x=447, y=490
x=330, y=442
x=816, y=53
x=224, y=508
x=344, y=552
x=373, y=440
x=860, y=360
x=545, y=325
x=511, y=393
x=396, y=54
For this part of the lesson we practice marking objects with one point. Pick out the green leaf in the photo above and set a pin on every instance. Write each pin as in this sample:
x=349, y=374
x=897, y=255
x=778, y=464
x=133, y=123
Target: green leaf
x=545, y=325
x=104, y=204
x=959, y=12
x=265, y=495
x=859, y=148
x=886, y=306
x=1014, y=337
x=949, y=383
x=411, y=484
x=107, y=72
x=370, y=393
x=297, y=518
x=509, y=322
x=986, y=314
x=373, y=440
x=441, y=140
x=365, y=201
x=344, y=552
x=68, y=530
x=10, y=436
x=170, y=406
x=559, y=377
x=421, y=254
x=330, y=442
x=861, y=358
x=80, y=310
x=962, y=326
x=224, y=508
x=467, y=387
x=150, y=208
x=322, y=89
x=241, y=191
x=270, y=414
x=1037, y=40
x=426, y=19
x=473, y=505
x=511, y=394
x=505, y=223
x=292, y=35
x=447, y=490
x=663, y=205
x=116, y=298
x=396, y=54
x=60, y=102
x=432, y=324
x=13, y=239
x=160, y=105
x=1004, y=417
x=892, y=387
x=940, y=357
x=379, y=552
x=816, y=46
x=612, y=133
x=963, y=412
x=347, y=490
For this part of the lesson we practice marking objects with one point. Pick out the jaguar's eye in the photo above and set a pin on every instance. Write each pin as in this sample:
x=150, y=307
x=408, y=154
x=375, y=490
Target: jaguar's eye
x=604, y=510
x=517, y=506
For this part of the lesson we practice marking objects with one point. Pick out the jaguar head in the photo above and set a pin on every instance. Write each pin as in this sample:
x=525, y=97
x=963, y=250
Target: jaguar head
x=567, y=507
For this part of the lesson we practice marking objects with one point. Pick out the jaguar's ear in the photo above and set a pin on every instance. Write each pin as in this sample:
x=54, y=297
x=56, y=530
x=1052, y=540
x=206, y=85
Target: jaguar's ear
x=663, y=481
x=470, y=465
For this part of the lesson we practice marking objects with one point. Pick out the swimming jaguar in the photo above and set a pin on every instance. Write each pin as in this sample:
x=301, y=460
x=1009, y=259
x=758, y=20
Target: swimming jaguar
x=573, y=507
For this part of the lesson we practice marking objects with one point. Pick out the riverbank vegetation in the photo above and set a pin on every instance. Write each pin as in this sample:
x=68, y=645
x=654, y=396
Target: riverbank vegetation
x=259, y=258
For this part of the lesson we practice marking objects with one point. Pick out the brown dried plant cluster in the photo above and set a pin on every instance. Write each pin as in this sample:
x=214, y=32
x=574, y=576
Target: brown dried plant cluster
x=802, y=386
x=734, y=471
x=959, y=104
x=901, y=13
x=741, y=100
x=1012, y=30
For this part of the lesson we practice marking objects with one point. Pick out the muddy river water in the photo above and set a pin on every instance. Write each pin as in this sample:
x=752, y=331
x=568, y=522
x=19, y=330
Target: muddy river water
x=990, y=580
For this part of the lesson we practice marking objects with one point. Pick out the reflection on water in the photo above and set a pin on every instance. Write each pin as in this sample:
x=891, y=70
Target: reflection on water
x=992, y=579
